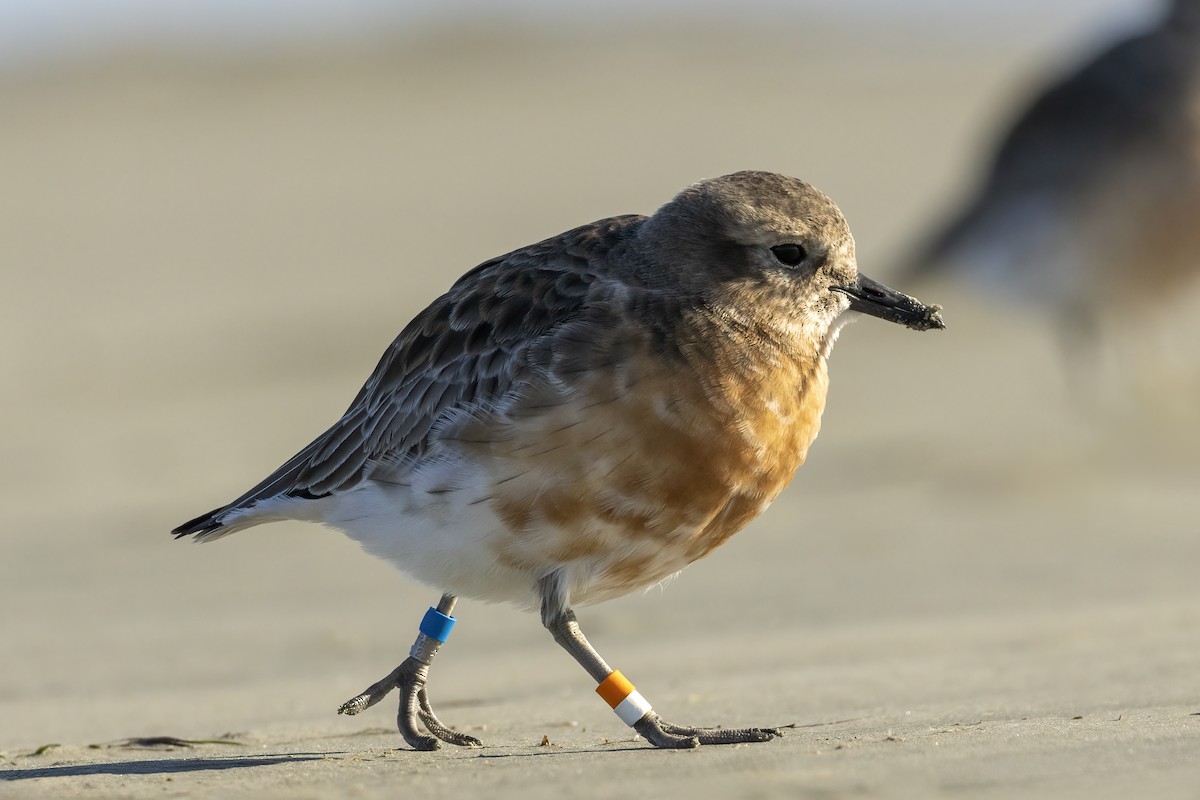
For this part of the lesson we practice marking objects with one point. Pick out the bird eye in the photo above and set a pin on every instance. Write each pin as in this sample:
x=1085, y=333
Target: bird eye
x=790, y=255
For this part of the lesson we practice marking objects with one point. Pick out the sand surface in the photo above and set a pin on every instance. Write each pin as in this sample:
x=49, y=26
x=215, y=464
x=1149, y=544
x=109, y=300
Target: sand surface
x=975, y=587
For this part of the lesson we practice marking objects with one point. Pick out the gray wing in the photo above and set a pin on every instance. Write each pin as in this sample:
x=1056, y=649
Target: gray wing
x=465, y=352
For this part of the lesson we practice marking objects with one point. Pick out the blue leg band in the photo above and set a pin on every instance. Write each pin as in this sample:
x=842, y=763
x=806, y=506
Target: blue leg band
x=437, y=625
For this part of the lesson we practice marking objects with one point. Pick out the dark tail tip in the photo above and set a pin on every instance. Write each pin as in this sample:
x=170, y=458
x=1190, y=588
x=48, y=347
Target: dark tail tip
x=205, y=523
x=926, y=261
x=938, y=252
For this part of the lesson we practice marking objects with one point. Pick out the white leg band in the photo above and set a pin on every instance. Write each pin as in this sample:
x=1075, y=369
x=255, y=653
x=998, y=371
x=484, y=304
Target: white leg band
x=632, y=708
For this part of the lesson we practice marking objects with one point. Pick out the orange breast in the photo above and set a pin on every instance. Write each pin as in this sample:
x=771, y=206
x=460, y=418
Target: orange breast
x=647, y=468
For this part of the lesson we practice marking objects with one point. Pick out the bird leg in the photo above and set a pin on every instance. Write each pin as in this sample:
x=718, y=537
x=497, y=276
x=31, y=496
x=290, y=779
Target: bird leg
x=410, y=678
x=618, y=692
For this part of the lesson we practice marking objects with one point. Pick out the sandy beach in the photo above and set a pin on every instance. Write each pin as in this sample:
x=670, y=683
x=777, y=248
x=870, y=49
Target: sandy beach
x=977, y=586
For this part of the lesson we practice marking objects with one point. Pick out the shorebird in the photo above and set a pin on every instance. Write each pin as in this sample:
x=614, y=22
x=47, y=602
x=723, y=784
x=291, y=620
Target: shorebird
x=584, y=417
x=1091, y=204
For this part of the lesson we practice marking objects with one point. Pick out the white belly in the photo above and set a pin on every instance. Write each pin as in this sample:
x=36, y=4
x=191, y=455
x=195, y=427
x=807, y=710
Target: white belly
x=441, y=539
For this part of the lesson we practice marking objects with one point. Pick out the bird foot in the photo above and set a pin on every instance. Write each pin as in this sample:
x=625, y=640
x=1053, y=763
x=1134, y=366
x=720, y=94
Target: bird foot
x=410, y=679
x=661, y=733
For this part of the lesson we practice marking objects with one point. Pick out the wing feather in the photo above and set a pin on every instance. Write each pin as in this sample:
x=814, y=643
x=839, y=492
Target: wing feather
x=469, y=351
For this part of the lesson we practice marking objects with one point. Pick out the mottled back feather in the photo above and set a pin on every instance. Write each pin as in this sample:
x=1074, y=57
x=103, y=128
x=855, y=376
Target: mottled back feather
x=463, y=353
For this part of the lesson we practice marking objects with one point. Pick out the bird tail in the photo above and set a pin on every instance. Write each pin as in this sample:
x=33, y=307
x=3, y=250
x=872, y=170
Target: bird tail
x=932, y=257
x=216, y=523
x=276, y=497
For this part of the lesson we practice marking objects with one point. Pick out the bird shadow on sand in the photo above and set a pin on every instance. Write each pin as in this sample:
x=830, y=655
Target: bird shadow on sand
x=157, y=766
x=556, y=751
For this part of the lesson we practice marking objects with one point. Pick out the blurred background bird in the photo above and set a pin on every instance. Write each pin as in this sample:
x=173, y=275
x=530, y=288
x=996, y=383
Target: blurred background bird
x=1090, y=206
